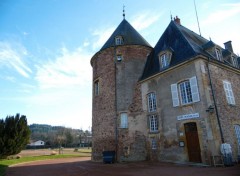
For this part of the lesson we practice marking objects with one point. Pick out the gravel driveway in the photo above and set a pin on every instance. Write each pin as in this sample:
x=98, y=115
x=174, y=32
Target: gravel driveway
x=82, y=166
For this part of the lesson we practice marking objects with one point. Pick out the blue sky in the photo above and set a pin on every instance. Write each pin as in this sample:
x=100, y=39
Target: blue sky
x=46, y=47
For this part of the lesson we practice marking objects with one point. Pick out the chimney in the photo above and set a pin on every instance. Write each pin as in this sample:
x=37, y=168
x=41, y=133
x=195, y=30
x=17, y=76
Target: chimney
x=177, y=20
x=228, y=46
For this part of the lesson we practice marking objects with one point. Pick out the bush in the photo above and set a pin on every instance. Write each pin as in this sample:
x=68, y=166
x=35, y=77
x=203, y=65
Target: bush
x=14, y=134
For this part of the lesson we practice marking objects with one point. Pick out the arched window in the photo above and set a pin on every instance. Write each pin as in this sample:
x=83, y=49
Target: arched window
x=185, y=92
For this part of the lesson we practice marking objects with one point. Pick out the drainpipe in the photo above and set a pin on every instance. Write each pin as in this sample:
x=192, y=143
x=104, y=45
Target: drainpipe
x=214, y=102
x=116, y=115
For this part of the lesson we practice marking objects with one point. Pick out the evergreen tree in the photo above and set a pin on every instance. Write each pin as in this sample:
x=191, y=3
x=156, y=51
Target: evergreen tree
x=15, y=135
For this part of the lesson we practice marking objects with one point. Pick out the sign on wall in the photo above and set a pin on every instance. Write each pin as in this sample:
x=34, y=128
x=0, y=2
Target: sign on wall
x=188, y=116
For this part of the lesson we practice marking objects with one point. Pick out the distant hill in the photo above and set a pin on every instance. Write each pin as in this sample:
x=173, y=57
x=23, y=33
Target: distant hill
x=59, y=135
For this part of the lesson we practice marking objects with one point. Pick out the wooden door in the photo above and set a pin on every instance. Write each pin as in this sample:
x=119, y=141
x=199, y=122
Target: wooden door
x=194, y=152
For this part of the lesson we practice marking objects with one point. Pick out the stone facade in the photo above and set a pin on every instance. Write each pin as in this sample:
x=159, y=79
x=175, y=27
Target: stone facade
x=186, y=131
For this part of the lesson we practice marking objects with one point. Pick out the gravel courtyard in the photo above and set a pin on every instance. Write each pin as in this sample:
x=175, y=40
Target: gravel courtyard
x=82, y=166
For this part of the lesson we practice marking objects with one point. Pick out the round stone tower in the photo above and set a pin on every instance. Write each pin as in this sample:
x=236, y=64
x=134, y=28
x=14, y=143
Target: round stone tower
x=117, y=68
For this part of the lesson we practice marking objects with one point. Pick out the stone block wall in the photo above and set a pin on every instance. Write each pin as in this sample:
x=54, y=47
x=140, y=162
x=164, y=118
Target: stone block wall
x=116, y=79
x=229, y=114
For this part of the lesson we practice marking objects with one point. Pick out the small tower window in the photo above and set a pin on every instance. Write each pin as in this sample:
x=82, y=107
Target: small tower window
x=119, y=58
x=124, y=120
x=119, y=40
x=96, y=88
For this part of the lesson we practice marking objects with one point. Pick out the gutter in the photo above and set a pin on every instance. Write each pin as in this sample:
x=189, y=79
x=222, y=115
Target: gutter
x=214, y=102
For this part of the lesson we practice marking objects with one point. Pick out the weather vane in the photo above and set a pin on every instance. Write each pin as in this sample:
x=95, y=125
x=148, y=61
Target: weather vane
x=123, y=11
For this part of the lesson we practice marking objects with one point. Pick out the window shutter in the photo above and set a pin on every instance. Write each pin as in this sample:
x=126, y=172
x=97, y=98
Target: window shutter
x=174, y=91
x=229, y=93
x=194, y=89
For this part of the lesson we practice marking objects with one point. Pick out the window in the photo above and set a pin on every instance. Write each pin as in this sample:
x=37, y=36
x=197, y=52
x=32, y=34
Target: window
x=234, y=61
x=154, y=144
x=119, y=58
x=152, y=102
x=118, y=40
x=124, y=120
x=165, y=60
x=237, y=132
x=229, y=93
x=185, y=92
x=153, y=123
x=96, y=87
x=218, y=54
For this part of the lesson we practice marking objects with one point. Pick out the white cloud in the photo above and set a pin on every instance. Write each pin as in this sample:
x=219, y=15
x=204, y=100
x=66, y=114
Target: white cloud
x=219, y=16
x=143, y=20
x=68, y=69
x=12, y=56
x=102, y=35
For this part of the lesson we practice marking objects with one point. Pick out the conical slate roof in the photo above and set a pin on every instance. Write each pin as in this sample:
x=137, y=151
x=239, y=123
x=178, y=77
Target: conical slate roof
x=128, y=33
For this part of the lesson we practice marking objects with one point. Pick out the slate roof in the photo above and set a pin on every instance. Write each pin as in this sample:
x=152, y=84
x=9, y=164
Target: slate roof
x=185, y=45
x=129, y=34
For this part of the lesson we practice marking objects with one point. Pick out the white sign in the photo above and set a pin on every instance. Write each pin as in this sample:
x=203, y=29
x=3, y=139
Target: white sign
x=188, y=116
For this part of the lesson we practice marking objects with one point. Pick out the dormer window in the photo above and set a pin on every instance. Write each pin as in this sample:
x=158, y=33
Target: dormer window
x=164, y=59
x=218, y=54
x=234, y=61
x=119, y=40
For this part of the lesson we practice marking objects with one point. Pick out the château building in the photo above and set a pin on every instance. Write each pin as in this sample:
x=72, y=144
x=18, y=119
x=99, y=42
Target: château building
x=178, y=101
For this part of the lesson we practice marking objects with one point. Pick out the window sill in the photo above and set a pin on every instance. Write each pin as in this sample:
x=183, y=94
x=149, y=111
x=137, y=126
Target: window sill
x=123, y=128
x=154, y=132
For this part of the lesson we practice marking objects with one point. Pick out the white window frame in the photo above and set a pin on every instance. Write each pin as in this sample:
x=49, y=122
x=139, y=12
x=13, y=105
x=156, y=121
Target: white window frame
x=218, y=54
x=118, y=40
x=185, y=92
x=153, y=123
x=96, y=88
x=154, y=144
x=229, y=92
x=152, y=104
x=164, y=59
x=178, y=95
x=123, y=120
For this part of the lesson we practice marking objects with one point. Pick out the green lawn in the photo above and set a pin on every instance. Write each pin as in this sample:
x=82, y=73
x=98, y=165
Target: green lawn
x=7, y=162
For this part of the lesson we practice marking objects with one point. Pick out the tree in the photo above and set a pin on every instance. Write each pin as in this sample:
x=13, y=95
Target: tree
x=15, y=135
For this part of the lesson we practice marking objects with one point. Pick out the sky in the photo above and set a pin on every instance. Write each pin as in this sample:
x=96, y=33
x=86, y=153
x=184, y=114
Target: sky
x=46, y=47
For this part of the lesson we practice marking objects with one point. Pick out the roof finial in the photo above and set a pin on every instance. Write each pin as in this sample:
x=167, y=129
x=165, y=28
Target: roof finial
x=123, y=11
x=171, y=15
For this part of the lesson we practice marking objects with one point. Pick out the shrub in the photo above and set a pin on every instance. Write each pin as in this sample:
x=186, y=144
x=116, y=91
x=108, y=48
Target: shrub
x=14, y=134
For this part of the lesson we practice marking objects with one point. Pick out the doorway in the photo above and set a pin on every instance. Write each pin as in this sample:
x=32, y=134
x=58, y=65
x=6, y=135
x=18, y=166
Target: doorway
x=194, y=151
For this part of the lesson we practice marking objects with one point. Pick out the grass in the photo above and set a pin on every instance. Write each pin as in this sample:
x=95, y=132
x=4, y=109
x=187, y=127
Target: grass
x=36, y=155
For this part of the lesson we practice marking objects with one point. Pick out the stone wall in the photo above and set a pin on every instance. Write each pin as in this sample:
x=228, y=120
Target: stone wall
x=229, y=115
x=106, y=108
